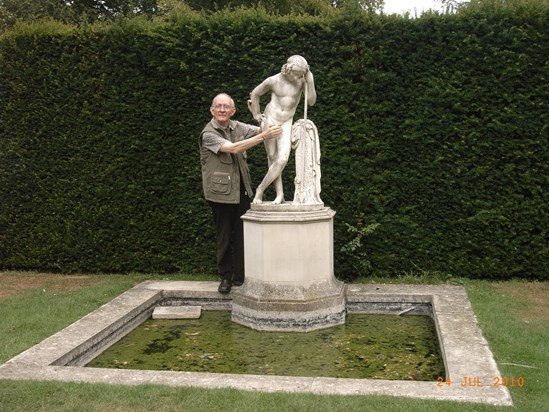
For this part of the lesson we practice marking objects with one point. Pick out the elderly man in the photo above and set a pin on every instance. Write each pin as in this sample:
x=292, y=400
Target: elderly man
x=285, y=88
x=227, y=184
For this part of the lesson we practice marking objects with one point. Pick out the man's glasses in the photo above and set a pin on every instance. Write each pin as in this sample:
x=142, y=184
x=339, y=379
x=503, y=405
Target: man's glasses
x=223, y=107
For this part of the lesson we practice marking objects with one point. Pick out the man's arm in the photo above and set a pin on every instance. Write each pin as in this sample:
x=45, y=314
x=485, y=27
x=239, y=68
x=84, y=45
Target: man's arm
x=243, y=145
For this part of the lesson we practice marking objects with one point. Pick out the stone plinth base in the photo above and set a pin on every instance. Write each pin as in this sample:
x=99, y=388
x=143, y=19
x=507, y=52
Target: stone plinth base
x=299, y=308
x=290, y=283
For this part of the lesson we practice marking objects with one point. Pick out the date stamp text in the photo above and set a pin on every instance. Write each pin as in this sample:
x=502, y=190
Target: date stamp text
x=472, y=381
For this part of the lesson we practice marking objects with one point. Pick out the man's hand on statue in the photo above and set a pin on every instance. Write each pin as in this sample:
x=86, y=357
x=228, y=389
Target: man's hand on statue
x=273, y=131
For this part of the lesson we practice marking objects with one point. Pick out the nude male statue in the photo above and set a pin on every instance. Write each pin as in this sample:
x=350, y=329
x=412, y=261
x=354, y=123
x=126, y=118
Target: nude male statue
x=285, y=88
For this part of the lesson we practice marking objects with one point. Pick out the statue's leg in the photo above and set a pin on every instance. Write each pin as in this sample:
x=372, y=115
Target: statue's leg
x=278, y=152
x=279, y=191
x=270, y=147
x=284, y=146
x=273, y=175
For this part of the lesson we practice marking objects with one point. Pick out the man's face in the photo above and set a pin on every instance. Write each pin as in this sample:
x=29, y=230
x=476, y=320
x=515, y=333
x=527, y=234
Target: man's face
x=222, y=110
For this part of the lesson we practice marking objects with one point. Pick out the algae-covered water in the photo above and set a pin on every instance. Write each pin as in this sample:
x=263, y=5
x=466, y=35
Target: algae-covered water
x=367, y=346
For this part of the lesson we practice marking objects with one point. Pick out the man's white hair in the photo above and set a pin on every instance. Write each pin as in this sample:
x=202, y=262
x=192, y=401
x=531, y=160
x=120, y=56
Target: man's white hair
x=223, y=95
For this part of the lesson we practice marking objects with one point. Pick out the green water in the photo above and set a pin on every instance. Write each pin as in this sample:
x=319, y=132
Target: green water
x=367, y=346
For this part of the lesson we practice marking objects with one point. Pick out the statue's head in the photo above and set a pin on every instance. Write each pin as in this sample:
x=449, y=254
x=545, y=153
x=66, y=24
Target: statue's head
x=297, y=65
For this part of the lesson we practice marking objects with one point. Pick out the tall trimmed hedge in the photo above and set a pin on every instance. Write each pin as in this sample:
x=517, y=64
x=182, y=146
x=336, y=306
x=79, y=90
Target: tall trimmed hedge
x=433, y=136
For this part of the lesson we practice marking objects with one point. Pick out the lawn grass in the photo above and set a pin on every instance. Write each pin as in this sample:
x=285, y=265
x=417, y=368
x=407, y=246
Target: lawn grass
x=513, y=317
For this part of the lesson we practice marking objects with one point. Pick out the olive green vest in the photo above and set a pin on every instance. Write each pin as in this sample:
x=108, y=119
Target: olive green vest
x=221, y=172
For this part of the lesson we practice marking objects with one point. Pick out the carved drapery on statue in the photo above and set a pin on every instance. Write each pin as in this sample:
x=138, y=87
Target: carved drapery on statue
x=305, y=142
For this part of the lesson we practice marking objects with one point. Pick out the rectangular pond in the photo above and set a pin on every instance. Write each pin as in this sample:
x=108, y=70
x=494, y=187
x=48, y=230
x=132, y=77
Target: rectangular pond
x=465, y=352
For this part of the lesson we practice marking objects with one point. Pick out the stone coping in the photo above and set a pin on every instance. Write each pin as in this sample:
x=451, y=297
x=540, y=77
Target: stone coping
x=288, y=214
x=470, y=366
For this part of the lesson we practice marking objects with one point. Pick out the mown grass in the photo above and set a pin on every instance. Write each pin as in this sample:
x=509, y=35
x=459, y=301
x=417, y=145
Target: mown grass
x=512, y=315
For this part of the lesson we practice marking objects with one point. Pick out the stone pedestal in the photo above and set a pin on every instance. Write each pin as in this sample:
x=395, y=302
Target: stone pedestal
x=290, y=283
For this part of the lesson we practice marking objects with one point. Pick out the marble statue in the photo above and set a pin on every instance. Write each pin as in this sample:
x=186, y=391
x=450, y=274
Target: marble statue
x=286, y=88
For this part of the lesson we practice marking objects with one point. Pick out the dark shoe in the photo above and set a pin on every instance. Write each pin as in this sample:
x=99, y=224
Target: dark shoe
x=238, y=282
x=224, y=286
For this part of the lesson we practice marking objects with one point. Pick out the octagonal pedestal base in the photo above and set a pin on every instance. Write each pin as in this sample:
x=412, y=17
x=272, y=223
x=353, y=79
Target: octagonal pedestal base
x=290, y=284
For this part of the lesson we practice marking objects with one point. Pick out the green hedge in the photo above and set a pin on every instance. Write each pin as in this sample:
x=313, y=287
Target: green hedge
x=433, y=135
